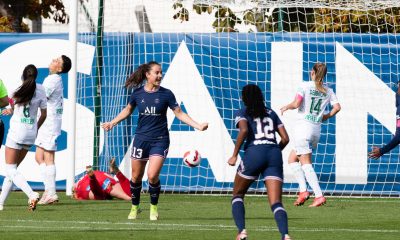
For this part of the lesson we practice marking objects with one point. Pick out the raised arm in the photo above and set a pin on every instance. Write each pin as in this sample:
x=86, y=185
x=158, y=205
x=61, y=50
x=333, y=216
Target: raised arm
x=126, y=112
x=188, y=120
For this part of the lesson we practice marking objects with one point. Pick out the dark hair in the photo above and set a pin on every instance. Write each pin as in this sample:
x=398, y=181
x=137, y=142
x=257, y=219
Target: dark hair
x=25, y=92
x=254, y=101
x=66, y=66
x=138, y=76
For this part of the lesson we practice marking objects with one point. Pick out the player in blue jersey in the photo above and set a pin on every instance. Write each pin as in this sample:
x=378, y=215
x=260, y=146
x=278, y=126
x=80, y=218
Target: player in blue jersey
x=311, y=99
x=378, y=152
x=151, y=140
x=262, y=155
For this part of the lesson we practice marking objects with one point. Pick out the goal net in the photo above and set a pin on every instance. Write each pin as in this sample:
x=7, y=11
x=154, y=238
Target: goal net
x=209, y=50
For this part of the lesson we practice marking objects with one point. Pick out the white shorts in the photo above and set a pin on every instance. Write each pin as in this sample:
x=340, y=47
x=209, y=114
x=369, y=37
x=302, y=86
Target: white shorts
x=306, y=137
x=47, y=141
x=14, y=145
x=48, y=134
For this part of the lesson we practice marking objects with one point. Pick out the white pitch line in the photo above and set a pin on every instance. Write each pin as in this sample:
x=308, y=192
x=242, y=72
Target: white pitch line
x=175, y=227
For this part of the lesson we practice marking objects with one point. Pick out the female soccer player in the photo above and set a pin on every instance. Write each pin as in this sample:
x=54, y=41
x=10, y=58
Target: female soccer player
x=311, y=99
x=378, y=152
x=258, y=125
x=24, y=124
x=98, y=185
x=46, y=142
x=151, y=140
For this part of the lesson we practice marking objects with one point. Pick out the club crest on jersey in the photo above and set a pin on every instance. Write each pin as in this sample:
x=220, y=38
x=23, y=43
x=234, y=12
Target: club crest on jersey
x=156, y=101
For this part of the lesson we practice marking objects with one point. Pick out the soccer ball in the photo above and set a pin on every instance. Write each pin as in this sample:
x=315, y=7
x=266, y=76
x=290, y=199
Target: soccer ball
x=192, y=158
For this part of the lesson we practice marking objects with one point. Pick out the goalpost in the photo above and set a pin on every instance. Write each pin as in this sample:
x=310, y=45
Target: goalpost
x=210, y=49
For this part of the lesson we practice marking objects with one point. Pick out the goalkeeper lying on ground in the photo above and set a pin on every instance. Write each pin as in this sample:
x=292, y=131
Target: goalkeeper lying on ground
x=98, y=185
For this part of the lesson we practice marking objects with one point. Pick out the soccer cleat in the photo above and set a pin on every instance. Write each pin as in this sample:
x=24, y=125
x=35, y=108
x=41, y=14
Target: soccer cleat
x=1, y=207
x=32, y=202
x=113, y=169
x=242, y=235
x=153, y=212
x=319, y=201
x=135, y=210
x=48, y=199
x=41, y=201
x=286, y=237
x=302, y=198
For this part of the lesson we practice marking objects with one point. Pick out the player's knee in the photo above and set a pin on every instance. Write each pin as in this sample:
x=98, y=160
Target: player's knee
x=11, y=172
x=307, y=168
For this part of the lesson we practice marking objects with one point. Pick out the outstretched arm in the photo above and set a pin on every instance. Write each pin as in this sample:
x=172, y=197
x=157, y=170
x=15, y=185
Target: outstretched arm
x=188, y=120
x=293, y=105
x=378, y=152
x=243, y=130
x=126, y=112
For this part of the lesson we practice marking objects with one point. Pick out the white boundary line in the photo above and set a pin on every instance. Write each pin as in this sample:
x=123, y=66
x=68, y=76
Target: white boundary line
x=166, y=226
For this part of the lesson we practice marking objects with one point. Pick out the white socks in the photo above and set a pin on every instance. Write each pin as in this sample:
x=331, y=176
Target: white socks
x=299, y=175
x=312, y=179
x=18, y=179
x=304, y=172
x=50, y=182
x=5, y=189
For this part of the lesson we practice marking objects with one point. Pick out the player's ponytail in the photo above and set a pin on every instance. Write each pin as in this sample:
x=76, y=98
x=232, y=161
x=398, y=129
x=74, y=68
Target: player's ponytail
x=254, y=101
x=139, y=75
x=320, y=72
x=26, y=91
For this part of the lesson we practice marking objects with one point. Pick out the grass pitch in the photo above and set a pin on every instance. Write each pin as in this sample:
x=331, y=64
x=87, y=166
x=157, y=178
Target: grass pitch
x=198, y=217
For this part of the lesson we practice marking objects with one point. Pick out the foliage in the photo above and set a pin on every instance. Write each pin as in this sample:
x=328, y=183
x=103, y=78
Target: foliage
x=297, y=19
x=15, y=10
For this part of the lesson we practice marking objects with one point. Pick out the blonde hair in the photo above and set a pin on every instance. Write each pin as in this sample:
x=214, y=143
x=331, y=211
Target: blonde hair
x=320, y=72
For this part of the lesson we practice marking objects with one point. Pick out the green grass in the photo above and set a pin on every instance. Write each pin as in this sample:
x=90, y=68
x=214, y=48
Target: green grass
x=198, y=217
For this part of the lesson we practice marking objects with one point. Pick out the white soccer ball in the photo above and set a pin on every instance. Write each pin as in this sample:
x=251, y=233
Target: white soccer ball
x=192, y=158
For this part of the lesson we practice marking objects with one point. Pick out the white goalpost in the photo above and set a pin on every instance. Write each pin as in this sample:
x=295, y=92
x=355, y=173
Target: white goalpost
x=210, y=49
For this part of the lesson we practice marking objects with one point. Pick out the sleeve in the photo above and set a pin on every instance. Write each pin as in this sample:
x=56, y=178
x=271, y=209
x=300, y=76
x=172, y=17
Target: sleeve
x=239, y=116
x=300, y=91
x=333, y=98
x=49, y=86
x=392, y=144
x=172, y=103
x=277, y=121
x=43, y=102
x=3, y=89
x=132, y=99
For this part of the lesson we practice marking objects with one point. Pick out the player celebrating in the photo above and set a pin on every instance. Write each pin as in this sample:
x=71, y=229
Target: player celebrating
x=378, y=152
x=311, y=99
x=151, y=139
x=98, y=185
x=258, y=125
x=46, y=140
x=28, y=98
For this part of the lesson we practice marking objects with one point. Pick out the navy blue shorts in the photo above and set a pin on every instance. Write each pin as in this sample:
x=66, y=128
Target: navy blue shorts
x=142, y=150
x=262, y=159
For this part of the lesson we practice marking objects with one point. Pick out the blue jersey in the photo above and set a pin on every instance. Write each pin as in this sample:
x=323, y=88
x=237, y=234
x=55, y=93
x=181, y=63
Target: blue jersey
x=152, y=107
x=260, y=131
